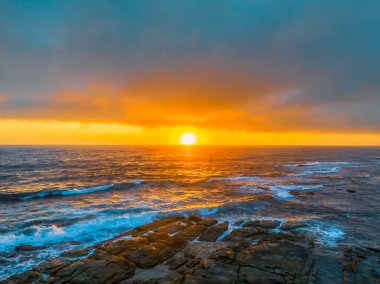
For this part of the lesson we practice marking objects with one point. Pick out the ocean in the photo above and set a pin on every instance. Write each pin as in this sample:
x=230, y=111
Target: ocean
x=58, y=198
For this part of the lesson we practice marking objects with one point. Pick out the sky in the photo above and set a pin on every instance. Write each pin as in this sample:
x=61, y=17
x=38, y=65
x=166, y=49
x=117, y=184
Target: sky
x=233, y=72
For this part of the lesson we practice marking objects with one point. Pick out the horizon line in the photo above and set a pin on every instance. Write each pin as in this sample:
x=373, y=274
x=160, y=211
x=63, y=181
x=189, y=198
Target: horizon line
x=190, y=146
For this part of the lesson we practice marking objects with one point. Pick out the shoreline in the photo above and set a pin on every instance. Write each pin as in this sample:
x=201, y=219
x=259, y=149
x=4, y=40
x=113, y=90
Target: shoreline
x=192, y=249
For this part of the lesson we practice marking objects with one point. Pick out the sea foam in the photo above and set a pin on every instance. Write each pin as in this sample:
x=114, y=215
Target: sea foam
x=74, y=191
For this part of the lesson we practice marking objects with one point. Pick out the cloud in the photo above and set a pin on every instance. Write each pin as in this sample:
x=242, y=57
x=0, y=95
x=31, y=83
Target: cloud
x=248, y=65
x=221, y=97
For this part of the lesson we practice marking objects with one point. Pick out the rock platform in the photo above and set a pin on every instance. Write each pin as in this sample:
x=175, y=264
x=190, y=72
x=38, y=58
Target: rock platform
x=200, y=250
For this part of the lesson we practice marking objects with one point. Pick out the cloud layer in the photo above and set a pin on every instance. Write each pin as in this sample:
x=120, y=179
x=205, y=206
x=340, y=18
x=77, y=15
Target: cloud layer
x=248, y=65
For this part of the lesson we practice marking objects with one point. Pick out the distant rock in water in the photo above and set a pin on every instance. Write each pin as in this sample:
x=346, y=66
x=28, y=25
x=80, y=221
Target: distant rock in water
x=28, y=248
x=187, y=250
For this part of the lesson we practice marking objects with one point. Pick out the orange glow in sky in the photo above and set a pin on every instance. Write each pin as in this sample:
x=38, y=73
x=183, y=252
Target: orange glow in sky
x=41, y=132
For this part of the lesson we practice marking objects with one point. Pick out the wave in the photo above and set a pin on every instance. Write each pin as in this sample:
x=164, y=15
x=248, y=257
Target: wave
x=327, y=234
x=64, y=192
x=268, y=185
x=318, y=168
x=91, y=231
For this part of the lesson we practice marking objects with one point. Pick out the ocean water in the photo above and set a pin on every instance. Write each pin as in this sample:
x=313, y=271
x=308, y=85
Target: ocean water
x=61, y=198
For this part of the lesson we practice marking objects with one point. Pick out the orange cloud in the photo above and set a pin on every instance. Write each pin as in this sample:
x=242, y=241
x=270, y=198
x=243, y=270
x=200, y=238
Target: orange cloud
x=3, y=99
x=212, y=96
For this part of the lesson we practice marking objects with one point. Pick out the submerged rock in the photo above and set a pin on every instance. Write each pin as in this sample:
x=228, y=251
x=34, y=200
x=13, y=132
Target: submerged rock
x=291, y=225
x=29, y=248
x=267, y=224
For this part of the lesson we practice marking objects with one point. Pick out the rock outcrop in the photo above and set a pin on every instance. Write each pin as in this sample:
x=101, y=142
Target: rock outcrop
x=196, y=250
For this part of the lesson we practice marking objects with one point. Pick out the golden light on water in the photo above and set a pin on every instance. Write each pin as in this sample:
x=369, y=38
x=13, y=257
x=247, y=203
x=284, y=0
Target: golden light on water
x=188, y=138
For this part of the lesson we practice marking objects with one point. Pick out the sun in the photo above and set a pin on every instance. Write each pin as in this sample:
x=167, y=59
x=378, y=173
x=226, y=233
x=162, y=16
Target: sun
x=188, y=138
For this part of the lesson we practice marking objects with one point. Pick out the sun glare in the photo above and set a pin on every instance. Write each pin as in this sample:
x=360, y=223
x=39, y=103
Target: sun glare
x=188, y=138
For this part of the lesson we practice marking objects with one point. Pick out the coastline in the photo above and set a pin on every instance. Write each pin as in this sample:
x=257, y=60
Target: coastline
x=192, y=249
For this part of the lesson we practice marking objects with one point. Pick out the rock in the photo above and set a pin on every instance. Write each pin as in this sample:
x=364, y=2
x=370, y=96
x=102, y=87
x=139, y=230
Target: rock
x=291, y=225
x=192, y=232
x=194, y=219
x=51, y=266
x=198, y=250
x=74, y=253
x=73, y=268
x=158, y=223
x=212, y=234
x=101, y=271
x=176, y=262
x=23, y=278
x=208, y=222
x=124, y=246
x=28, y=248
x=361, y=266
x=150, y=255
x=176, y=243
x=74, y=243
x=163, y=253
x=172, y=227
x=267, y=224
x=222, y=272
x=253, y=275
x=282, y=258
x=189, y=279
x=110, y=269
x=150, y=275
x=155, y=236
x=243, y=233
x=224, y=255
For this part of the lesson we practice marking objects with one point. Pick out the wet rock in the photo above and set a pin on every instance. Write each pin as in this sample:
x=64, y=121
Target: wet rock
x=124, y=246
x=149, y=275
x=222, y=272
x=253, y=275
x=150, y=255
x=224, y=255
x=172, y=227
x=74, y=253
x=176, y=262
x=51, y=266
x=23, y=278
x=73, y=268
x=192, y=231
x=101, y=271
x=176, y=243
x=158, y=223
x=291, y=225
x=212, y=234
x=28, y=248
x=267, y=224
x=245, y=232
x=194, y=219
x=361, y=266
x=164, y=253
x=208, y=222
x=282, y=258
x=189, y=279
x=110, y=269
x=74, y=243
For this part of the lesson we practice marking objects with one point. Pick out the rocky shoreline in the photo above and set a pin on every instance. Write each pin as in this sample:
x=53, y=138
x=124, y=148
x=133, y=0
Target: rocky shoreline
x=200, y=250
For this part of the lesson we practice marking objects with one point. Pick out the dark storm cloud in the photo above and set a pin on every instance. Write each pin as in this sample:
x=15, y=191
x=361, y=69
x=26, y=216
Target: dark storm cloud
x=256, y=65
